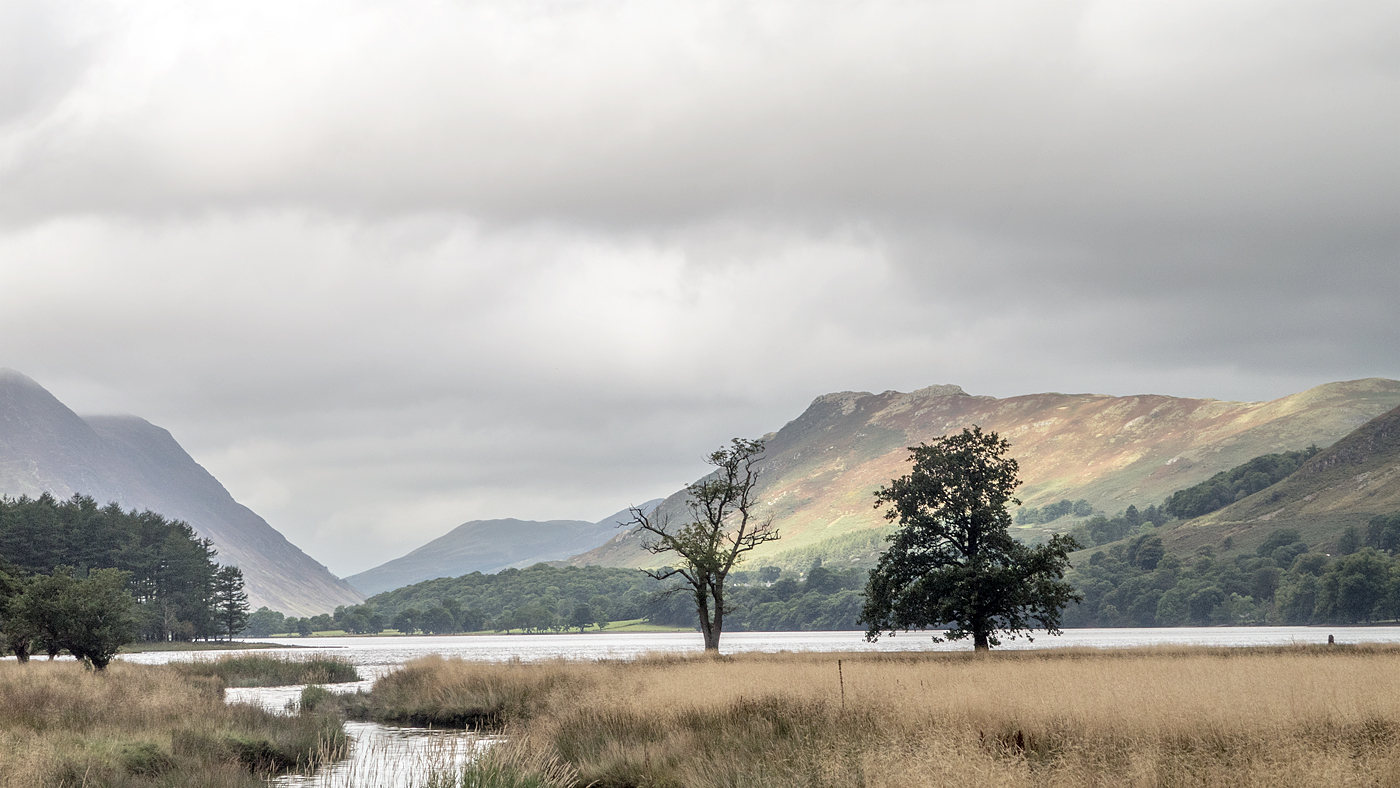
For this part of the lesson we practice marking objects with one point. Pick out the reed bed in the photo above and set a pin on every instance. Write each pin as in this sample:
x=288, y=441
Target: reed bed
x=1153, y=717
x=133, y=726
x=272, y=670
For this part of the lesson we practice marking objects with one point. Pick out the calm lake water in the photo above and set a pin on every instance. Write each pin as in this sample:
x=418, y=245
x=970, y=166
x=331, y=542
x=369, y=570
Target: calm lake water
x=392, y=757
x=379, y=654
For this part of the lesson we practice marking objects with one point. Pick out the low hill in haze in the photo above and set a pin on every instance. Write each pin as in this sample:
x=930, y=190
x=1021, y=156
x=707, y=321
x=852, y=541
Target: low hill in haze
x=823, y=467
x=489, y=546
x=46, y=447
x=1342, y=487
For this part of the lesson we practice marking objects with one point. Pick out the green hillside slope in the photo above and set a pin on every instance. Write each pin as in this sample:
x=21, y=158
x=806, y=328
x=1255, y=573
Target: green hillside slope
x=1344, y=486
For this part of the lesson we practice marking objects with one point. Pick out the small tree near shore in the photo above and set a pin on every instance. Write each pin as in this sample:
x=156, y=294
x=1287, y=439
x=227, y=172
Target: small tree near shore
x=724, y=525
x=230, y=601
x=953, y=561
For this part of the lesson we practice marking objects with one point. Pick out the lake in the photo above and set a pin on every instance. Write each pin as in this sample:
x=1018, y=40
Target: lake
x=379, y=654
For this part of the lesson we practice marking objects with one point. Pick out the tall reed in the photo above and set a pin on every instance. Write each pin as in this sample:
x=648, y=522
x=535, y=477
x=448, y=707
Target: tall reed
x=1152, y=717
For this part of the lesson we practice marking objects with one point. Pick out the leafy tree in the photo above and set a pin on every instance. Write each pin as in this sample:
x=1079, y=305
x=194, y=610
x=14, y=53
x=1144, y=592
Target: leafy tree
x=265, y=621
x=99, y=617
x=1354, y=588
x=1349, y=541
x=230, y=601
x=42, y=608
x=472, y=620
x=16, y=632
x=1279, y=537
x=1146, y=551
x=90, y=617
x=952, y=562
x=439, y=621
x=1383, y=532
x=582, y=616
x=723, y=527
x=407, y=621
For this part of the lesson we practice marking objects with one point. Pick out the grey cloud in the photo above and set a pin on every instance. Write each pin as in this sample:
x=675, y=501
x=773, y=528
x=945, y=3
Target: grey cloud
x=387, y=267
x=633, y=112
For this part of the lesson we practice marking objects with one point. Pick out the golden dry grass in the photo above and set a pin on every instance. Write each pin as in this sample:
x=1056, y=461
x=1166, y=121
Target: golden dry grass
x=1158, y=717
x=138, y=725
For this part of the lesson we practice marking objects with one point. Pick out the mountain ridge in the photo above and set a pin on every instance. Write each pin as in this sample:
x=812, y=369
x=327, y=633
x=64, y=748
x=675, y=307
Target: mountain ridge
x=489, y=546
x=823, y=466
x=46, y=447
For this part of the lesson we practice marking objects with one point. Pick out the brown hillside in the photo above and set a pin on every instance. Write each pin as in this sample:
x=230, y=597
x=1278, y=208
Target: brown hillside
x=823, y=466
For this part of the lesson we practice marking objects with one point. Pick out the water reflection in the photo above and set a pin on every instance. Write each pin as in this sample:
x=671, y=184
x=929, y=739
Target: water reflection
x=388, y=757
x=383, y=756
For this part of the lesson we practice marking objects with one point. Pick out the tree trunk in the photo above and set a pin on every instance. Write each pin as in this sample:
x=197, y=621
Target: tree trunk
x=979, y=640
x=707, y=627
x=712, y=635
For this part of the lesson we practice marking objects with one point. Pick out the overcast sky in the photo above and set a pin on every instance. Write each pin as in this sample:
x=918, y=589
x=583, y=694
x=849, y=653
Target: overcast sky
x=385, y=267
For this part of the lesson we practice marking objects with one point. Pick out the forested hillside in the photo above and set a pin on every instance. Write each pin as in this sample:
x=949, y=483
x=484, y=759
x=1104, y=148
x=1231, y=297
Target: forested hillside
x=180, y=592
x=1283, y=581
x=544, y=598
x=1293, y=538
x=1226, y=487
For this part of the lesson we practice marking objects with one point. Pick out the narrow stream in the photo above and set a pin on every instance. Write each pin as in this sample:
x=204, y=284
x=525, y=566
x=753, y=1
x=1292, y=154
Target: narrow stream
x=381, y=756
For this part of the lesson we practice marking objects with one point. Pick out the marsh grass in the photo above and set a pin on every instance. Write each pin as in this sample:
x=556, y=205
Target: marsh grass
x=1289, y=716
x=133, y=726
x=441, y=693
x=272, y=670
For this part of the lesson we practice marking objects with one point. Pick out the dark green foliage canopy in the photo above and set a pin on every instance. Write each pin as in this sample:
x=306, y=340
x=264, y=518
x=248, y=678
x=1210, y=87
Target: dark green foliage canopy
x=1281, y=582
x=90, y=617
x=230, y=601
x=1101, y=529
x=543, y=597
x=953, y=562
x=1383, y=532
x=169, y=570
x=1053, y=511
x=1226, y=487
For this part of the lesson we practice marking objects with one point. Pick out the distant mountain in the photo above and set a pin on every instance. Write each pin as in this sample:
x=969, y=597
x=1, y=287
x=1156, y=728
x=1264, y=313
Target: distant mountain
x=489, y=546
x=45, y=447
x=823, y=466
x=1344, y=486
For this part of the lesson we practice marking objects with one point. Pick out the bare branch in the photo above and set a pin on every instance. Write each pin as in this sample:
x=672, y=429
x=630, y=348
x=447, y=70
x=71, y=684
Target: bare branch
x=724, y=526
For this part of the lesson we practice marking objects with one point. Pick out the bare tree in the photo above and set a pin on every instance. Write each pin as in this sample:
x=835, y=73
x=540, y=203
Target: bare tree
x=723, y=526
